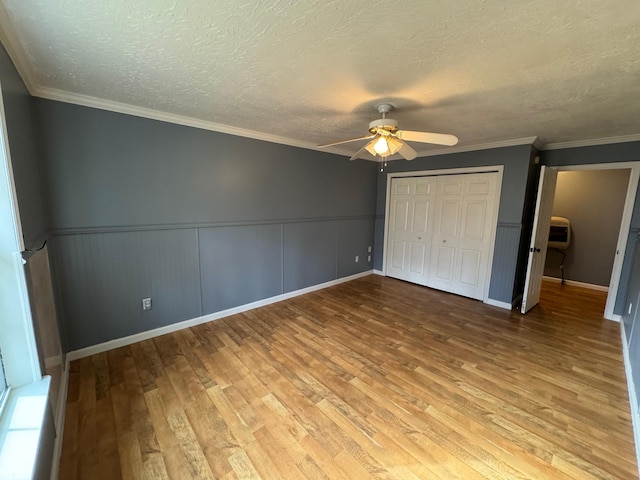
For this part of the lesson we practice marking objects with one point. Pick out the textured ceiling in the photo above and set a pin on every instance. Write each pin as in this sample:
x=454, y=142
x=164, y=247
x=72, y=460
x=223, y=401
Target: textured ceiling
x=312, y=71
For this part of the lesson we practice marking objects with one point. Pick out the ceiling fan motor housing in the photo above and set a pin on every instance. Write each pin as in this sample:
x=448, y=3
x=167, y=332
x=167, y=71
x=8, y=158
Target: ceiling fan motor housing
x=388, y=124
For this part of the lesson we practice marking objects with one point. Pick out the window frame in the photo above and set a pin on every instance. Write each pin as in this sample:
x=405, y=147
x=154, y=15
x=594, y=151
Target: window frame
x=17, y=336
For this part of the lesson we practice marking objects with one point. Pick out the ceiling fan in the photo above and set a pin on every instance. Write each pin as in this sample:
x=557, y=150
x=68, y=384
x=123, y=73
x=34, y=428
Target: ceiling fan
x=386, y=139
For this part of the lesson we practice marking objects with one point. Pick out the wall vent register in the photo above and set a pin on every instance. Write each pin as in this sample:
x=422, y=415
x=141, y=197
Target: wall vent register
x=560, y=239
x=559, y=233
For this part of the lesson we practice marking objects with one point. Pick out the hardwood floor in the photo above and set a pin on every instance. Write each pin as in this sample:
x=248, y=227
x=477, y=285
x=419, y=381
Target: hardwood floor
x=375, y=378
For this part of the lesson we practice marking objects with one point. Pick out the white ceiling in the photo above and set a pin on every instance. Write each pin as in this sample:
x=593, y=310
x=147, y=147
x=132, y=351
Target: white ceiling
x=305, y=72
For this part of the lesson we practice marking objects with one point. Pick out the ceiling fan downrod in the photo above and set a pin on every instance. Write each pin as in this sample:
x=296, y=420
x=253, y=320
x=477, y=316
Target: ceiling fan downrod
x=384, y=108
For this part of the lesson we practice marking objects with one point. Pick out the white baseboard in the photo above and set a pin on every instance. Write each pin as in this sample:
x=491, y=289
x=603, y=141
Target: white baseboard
x=615, y=318
x=497, y=303
x=156, y=332
x=378, y=272
x=51, y=362
x=59, y=421
x=633, y=399
x=574, y=283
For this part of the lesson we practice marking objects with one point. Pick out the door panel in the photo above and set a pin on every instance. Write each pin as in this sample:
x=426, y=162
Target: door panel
x=421, y=216
x=474, y=219
x=402, y=188
x=450, y=186
x=470, y=267
x=465, y=216
x=423, y=188
x=480, y=187
x=417, y=258
x=411, y=211
x=448, y=218
x=398, y=248
x=445, y=257
x=401, y=216
x=539, y=238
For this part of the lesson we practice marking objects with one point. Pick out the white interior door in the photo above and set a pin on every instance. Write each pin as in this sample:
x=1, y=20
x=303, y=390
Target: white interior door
x=409, y=236
x=464, y=217
x=539, y=238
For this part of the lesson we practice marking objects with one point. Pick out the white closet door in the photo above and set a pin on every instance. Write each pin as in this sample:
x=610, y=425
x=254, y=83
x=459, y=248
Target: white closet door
x=465, y=211
x=409, y=234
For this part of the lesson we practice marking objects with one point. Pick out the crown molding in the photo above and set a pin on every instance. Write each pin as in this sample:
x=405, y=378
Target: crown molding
x=537, y=144
x=593, y=142
x=16, y=51
x=118, y=107
x=95, y=102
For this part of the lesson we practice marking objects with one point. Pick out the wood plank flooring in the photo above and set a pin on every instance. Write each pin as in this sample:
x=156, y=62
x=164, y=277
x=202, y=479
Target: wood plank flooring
x=375, y=378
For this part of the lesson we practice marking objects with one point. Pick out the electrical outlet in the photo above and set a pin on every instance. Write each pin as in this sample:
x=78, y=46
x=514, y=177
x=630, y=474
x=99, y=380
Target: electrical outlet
x=369, y=249
x=146, y=304
x=368, y=258
x=630, y=307
x=357, y=258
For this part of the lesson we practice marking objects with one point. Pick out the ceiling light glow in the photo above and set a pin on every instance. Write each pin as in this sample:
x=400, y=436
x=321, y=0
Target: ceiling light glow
x=381, y=147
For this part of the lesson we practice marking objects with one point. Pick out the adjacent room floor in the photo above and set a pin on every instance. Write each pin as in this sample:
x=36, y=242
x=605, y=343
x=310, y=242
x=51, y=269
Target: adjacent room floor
x=375, y=378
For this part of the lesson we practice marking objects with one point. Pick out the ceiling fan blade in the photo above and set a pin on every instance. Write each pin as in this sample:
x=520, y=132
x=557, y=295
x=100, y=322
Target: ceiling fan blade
x=369, y=146
x=359, y=152
x=407, y=152
x=366, y=137
x=426, y=137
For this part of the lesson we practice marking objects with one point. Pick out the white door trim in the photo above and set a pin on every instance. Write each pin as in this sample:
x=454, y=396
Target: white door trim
x=499, y=169
x=625, y=223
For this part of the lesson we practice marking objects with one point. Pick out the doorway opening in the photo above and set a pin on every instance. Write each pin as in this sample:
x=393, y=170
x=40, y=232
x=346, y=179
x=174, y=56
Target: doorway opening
x=598, y=265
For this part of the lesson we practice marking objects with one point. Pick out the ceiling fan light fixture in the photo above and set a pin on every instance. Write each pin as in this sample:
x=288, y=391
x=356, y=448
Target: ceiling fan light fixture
x=381, y=147
x=394, y=145
x=386, y=139
x=369, y=147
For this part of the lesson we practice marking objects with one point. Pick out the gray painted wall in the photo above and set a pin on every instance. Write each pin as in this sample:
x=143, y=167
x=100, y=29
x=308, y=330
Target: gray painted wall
x=25, y=156
x=518, y=168
x=245, y=265
x=631, y=315
x=593, y=200
x=107, y=169
x=189, y=272
x=633, y=295
x=619, y=152
x=197, y=220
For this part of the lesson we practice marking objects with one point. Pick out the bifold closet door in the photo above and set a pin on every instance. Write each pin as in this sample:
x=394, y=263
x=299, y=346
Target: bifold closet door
x=409, y=234
x=464, y=218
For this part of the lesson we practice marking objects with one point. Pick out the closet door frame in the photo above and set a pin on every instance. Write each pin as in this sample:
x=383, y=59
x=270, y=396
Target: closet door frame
x=498, y=169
